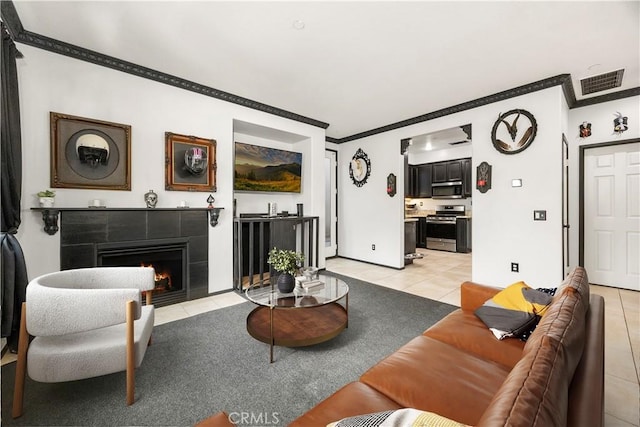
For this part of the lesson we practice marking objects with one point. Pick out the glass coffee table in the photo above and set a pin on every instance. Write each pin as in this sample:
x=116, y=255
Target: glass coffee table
x=300, y=318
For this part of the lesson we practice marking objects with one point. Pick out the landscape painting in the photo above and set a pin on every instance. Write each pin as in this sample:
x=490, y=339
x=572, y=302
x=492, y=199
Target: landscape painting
x=260, y=168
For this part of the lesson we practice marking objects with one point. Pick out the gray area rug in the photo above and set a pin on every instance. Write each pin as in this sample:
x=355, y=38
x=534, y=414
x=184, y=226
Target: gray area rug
x=209, y=363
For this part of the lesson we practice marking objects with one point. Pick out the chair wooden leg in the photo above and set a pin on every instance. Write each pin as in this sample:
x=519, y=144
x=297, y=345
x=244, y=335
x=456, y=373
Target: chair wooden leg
x=131, y=353
x=149, y=297
x=21, y=364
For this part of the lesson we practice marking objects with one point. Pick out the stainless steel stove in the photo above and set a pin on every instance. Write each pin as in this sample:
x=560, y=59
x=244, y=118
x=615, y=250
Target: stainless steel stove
x=441, y=227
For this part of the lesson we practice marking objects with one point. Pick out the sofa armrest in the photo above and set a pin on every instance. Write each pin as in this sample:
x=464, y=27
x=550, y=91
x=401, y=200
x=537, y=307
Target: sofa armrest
x=586, y=393
x=473, y=295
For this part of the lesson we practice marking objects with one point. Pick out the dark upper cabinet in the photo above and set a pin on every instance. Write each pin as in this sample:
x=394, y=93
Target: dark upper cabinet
x=447, y=171
x=418, y=180
x=454, y=170
x=411, y=181
x=423, y=179
x=467, y=186
x=439, y=172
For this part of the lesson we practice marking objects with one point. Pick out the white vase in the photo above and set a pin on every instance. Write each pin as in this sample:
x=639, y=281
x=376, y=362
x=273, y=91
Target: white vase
x=47, y=202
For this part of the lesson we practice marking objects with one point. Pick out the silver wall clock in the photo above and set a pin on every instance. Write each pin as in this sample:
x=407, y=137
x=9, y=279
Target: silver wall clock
x=514, y=131
x=360, y=168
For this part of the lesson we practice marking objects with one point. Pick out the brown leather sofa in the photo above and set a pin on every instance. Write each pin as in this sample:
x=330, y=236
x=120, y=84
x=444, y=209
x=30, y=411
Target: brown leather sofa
x=459, y=370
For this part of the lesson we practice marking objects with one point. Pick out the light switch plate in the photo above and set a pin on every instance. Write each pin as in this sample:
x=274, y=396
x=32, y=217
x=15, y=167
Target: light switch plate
x=539, y=215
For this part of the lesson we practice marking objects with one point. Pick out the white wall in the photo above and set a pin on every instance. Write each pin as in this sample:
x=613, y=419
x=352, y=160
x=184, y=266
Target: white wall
x=601, y=118
x=51, y=82
x=367, y=215
x=503, y=226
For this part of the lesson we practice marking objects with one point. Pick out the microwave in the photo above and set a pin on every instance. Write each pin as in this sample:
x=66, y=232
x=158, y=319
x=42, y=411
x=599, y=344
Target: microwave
x=447, y=190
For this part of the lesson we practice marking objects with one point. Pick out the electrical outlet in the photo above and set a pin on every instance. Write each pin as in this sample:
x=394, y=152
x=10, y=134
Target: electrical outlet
x=539, y=215
x=373, y=247
x=515, y=267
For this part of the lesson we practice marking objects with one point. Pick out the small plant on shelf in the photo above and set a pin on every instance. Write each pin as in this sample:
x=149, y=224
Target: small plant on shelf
x=46, y=193
x=285, y=261
x=46, y=198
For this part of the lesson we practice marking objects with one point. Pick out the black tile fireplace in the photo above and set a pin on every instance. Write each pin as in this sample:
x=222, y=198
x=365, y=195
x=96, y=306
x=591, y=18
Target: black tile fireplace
x=173, y=241
x=168, y=257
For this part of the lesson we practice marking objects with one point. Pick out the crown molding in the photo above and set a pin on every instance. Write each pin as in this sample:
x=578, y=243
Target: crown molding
x=613, y=96
x=10, y=18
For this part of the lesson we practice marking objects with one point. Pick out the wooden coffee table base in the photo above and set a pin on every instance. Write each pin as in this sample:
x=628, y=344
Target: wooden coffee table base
x=297, y=327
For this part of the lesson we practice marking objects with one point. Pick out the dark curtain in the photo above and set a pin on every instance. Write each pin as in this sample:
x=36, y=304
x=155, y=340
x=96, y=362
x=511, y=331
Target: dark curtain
x=14, y=271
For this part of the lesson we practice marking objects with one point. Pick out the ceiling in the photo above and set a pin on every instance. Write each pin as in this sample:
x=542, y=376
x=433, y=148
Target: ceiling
x=440, y=140
x=355, y=65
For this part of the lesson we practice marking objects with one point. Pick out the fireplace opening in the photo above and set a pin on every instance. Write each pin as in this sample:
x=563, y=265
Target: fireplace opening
x=169, y=262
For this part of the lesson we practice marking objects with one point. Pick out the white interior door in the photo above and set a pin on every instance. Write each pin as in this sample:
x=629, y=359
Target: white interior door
x=331, y=203
x=612, y=215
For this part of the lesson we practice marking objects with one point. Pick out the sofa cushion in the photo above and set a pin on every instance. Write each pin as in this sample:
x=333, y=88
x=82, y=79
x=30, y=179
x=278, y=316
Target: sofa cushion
x=514, y=310
x=464, y=330
x=355, y=398
x=433, y=376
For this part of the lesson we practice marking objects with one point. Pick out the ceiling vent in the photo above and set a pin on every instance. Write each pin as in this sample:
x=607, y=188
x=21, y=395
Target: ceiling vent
x=602, y=82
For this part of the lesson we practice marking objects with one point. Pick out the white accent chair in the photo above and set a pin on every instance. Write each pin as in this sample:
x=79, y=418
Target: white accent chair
x=86, y=323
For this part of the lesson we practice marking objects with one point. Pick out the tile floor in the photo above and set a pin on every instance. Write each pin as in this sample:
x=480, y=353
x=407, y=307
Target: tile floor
x=438, y=276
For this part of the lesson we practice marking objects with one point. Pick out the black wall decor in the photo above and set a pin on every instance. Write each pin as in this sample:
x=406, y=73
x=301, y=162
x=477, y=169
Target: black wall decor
x=391, y=185
x=483, y=174
x=518, y=125
x=360, y=168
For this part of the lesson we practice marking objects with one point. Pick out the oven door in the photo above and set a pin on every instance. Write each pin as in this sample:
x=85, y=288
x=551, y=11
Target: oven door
x=441, y=234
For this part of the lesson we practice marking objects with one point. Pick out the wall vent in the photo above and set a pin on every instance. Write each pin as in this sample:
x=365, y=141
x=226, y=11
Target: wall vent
x=601, y=82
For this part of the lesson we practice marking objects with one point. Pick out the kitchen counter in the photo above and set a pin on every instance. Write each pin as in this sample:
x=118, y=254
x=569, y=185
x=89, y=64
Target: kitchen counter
x=411, y=219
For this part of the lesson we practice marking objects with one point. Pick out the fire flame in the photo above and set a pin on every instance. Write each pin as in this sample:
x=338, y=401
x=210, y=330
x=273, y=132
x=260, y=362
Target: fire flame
x=162, y=279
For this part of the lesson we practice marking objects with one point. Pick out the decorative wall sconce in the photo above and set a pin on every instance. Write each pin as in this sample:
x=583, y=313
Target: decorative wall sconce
x=483, y=174
x=391, y=185
x=214, y=214
x=585, y=129
x=620, y=123
x=50, y=218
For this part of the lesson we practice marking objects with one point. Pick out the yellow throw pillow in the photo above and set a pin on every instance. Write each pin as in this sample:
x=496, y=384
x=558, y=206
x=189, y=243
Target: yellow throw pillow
x=514, y=310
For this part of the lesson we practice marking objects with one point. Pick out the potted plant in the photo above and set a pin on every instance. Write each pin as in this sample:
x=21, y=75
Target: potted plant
x=287, y=263
x=46, y=198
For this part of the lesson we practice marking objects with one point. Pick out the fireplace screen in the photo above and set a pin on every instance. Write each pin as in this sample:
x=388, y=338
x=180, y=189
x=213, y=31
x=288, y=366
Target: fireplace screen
x=168, y=262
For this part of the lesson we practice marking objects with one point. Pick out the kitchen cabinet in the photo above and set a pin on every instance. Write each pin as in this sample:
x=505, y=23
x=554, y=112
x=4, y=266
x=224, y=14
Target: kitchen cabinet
x=439, y=172
x=419, y=178
x=467, y=186
x=447, y=171
x=423, y=180
x=409, y=238
x=418, y=181
x=463, y=235
x=421, y=233
x=454, y=170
